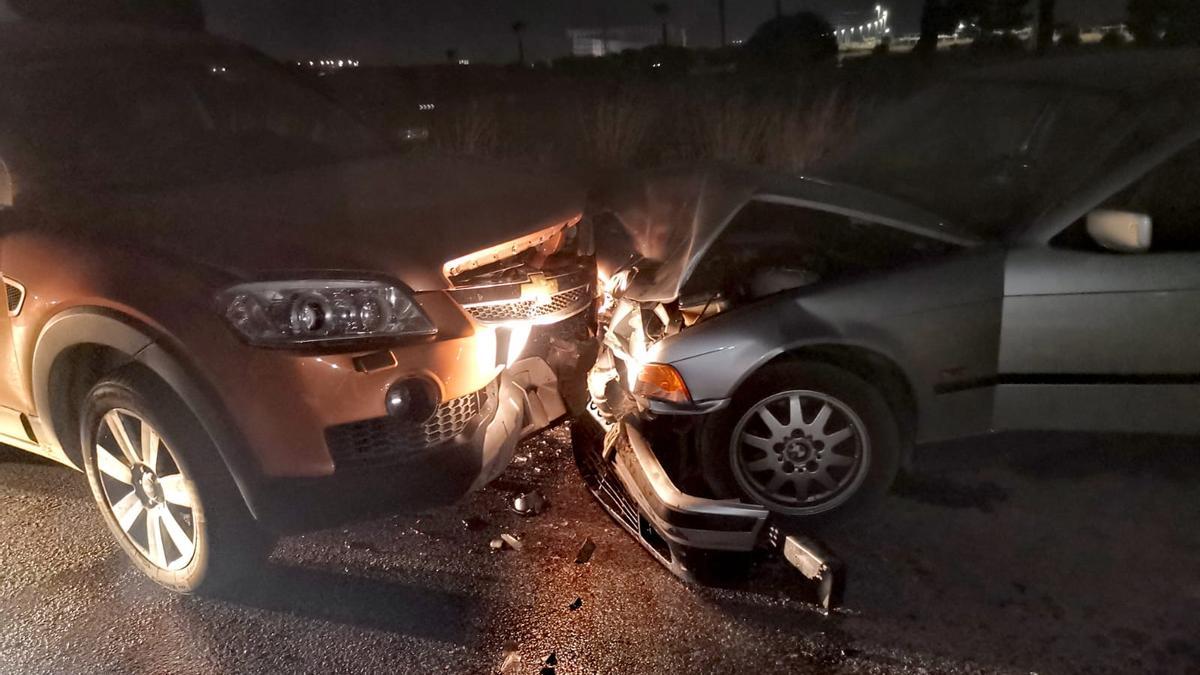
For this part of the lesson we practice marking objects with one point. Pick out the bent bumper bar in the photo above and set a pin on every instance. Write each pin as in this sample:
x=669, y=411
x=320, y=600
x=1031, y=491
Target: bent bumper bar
x=677, y=528
x=681, y=518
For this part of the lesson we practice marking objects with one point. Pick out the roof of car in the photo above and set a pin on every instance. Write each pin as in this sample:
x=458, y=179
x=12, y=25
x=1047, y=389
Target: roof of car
x=27, y=41
x=1131, y=72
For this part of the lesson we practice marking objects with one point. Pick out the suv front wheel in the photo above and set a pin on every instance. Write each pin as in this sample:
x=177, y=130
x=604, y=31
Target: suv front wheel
x=162, y=488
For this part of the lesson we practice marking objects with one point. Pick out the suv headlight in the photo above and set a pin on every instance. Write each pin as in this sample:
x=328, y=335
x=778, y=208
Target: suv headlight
x=321, y=311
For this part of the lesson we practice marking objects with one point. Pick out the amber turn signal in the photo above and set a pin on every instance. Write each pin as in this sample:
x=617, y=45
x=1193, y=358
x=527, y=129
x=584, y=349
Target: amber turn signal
x=662, y=382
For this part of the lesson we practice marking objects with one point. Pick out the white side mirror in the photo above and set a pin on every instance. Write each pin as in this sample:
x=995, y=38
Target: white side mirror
x=1121, y=231
x=6, y=187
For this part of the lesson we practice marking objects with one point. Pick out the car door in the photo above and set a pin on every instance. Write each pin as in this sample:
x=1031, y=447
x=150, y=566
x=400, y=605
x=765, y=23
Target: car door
x=1097, y=340
x=12, y=424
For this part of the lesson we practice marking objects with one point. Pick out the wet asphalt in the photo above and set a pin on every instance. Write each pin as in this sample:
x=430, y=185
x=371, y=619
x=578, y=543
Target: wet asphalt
x=1026, y=553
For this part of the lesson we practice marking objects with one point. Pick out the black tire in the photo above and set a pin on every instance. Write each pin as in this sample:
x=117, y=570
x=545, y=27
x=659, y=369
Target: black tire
x=227, y=544
x=875, y=471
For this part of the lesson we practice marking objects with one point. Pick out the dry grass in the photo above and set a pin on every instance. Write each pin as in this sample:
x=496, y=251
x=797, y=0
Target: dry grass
x=803, y=134
x=614, y=130
x=782, y=133
x=732, y=129
x=641, y=126
x=474, y=130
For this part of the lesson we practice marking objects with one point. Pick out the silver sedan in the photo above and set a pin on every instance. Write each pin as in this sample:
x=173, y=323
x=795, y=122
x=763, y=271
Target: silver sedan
x=1015, y=250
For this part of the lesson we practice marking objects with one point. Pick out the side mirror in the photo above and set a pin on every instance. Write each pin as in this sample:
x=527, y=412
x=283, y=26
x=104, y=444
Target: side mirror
x=1121, y=231
x=6, y=187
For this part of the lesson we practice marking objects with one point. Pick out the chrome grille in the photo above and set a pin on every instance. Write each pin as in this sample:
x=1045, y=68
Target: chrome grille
x=387, y=438
x=527, y=310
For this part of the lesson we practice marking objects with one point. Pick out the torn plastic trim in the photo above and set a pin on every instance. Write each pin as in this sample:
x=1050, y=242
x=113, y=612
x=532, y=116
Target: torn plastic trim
x=683, y=519
x=502, y=434
x=543, y=402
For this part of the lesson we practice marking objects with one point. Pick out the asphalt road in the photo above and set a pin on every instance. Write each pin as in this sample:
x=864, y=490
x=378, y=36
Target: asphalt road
x=1030, y=553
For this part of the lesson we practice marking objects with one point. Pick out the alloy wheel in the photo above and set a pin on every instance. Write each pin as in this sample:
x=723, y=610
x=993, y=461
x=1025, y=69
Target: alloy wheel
x=146, y=490
x=800, y=452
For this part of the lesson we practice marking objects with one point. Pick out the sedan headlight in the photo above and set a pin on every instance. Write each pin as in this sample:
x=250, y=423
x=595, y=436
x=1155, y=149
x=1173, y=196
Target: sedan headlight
x=321, y=311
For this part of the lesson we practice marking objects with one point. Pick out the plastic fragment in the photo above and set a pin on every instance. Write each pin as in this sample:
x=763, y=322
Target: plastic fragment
x=585, y=552
x=529, y=504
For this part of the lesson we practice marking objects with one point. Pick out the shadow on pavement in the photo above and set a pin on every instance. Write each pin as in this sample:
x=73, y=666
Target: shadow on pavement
x=374, y=604
x=1074, y=456
x=946, y=492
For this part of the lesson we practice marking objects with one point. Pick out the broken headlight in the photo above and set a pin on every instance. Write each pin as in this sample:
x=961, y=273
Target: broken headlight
x=322, y=311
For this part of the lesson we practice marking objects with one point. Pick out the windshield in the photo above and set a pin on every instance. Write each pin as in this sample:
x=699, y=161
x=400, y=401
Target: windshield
x=984, y=155
x=125, y=125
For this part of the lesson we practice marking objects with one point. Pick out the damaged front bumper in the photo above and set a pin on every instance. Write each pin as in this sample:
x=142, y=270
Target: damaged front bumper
x=676, y=528
x=684, y=532
x=617, y=447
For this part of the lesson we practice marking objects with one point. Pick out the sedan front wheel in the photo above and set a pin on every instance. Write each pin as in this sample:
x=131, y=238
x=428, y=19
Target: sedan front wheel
x=809, y=441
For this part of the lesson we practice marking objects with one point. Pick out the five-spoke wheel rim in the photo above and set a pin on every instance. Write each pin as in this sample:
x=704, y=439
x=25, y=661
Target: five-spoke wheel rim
x=145, y=490
x=800, y=452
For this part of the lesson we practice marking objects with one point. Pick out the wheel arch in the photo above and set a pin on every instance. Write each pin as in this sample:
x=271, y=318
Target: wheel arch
x=78, y=347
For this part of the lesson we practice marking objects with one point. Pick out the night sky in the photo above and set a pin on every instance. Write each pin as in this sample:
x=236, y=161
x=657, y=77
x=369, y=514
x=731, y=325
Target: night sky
x=409, y=31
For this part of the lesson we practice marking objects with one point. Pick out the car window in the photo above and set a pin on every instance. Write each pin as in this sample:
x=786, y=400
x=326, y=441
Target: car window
x=1170, y=195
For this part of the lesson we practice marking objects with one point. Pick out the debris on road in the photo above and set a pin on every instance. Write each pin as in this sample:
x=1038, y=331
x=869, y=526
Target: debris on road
x=585, y=552
x=512, y=658
x=506, y=541
x=818, y=565
x=529, y=504
x=575, y=605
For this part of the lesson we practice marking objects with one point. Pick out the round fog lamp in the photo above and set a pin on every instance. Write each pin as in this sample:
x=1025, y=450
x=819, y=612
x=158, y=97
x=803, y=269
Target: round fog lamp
x=411, y=399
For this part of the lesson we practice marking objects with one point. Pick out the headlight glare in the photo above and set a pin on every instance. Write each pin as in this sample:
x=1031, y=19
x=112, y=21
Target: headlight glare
x=315, y=311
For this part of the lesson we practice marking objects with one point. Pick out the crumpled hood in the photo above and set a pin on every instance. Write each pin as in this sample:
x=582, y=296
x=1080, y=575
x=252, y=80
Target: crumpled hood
x=670, y=218
x=404, y=217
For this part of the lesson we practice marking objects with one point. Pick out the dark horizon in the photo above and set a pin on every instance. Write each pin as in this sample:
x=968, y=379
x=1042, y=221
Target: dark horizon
x=407, y=31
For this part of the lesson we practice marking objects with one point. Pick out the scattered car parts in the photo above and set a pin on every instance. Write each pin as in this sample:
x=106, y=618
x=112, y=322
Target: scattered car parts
x=818, y=565
x=529, y=504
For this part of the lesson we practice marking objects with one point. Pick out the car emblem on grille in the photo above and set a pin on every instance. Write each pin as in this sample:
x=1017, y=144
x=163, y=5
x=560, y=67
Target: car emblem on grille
x=539, y=289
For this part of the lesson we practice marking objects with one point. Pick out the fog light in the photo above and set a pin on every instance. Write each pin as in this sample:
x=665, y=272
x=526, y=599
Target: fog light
x=414, y=400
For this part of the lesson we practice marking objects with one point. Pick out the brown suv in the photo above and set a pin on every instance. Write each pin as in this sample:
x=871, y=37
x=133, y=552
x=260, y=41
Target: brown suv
x=240, y=312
